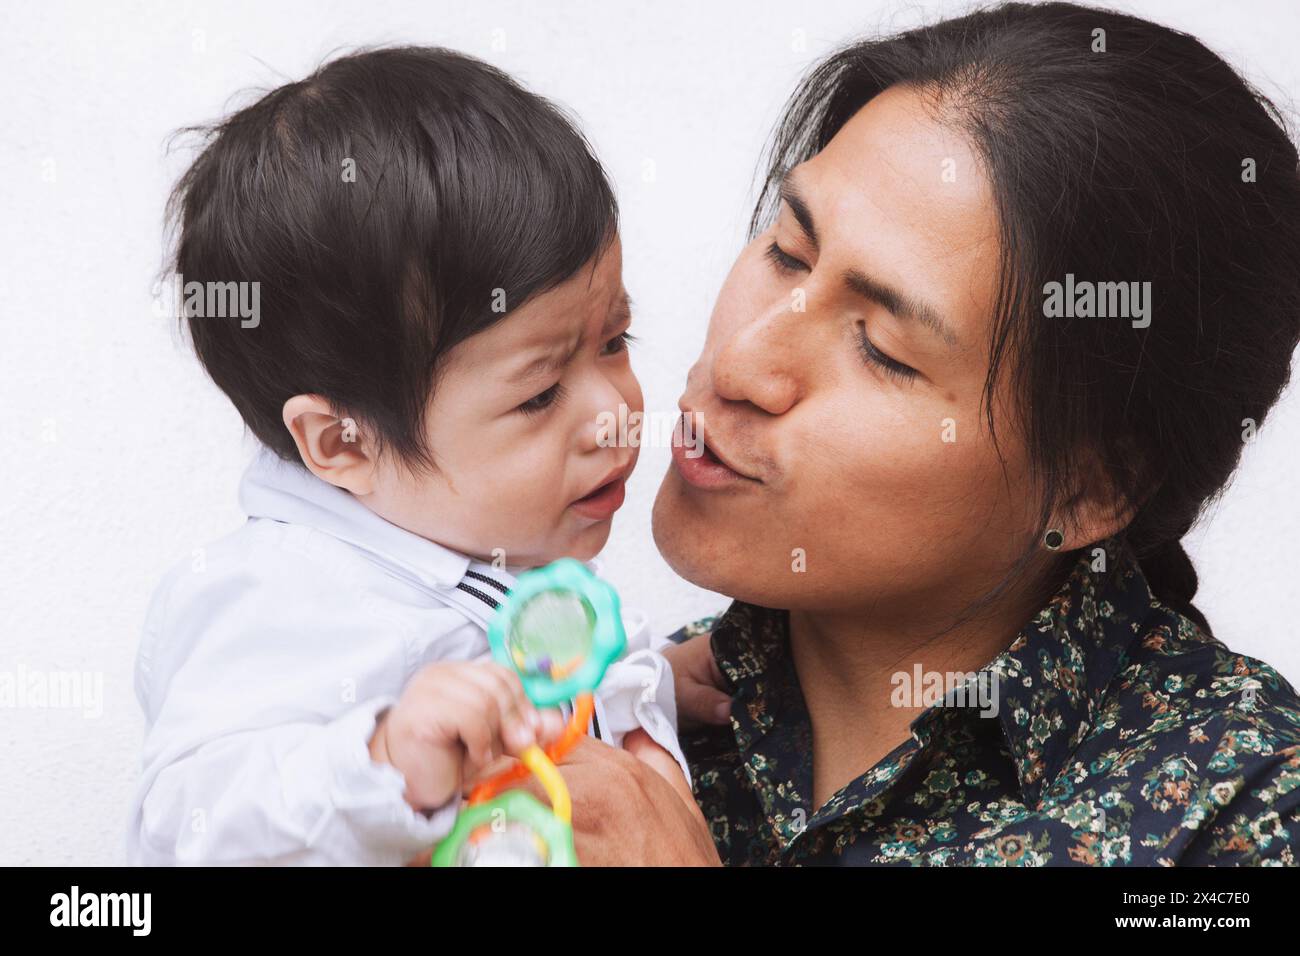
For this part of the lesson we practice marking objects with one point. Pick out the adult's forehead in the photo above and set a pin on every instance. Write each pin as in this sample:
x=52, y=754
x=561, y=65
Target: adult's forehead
x=901, y=151
x=899, y=194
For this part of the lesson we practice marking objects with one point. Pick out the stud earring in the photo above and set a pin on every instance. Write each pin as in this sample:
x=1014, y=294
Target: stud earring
x=1053, y=540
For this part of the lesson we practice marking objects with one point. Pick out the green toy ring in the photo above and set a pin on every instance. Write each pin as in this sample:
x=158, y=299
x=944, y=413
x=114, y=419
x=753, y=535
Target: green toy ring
x=562, y=578
x=515, y=806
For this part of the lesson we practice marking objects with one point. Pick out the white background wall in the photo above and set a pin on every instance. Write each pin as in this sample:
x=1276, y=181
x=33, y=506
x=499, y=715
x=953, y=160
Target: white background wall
x=120, y=458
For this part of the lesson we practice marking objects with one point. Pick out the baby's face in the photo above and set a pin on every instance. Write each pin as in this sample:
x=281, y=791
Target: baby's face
x=514, y=428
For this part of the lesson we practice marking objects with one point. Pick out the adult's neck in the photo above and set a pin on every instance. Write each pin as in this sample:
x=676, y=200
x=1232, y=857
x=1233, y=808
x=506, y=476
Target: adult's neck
x=846, y=661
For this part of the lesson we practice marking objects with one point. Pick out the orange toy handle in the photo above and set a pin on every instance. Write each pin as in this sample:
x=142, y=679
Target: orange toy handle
x=584, y=705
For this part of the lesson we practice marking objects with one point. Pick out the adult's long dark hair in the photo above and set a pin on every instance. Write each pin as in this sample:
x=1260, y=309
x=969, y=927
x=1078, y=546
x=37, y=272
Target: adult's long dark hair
x=1129, y=154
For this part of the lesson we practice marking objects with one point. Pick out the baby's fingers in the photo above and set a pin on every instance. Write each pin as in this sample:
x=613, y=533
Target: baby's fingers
x=550, y=726
x=515, y=719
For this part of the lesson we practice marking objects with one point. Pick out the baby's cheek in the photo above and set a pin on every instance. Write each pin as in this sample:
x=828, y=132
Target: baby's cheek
x=529, y=521
x=522, y=523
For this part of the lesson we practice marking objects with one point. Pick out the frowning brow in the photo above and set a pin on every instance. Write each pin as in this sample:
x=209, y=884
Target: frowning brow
x=620, y=313
x=899, y=304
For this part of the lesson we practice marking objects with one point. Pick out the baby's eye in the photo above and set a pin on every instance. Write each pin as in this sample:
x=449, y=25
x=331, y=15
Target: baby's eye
x=618, y=343
x=543, y=400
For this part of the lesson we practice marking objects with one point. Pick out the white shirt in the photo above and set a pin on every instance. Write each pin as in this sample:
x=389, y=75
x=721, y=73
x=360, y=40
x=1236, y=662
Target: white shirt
x=266, y=659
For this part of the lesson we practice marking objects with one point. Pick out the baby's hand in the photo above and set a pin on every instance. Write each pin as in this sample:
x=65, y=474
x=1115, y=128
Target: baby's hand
x=454, y=719
x=700, y=687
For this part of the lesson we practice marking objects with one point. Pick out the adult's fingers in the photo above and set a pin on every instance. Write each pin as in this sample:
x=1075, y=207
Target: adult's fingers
x=640, y=745
x=704, y=704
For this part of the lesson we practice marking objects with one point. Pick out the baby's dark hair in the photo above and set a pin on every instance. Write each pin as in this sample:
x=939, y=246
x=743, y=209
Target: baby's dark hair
x=390, y=206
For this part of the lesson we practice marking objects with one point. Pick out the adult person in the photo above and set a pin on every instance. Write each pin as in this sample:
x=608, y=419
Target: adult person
x=918, y=464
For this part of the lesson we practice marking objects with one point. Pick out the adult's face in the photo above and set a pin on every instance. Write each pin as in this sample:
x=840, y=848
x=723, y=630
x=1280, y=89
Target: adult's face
x=841, y=381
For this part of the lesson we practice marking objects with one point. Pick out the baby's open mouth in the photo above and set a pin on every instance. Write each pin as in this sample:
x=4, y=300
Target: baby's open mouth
x=601, y=490
x=604, y=500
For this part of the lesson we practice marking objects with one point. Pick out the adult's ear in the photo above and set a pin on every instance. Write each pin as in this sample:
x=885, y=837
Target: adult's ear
x=1097, y=509
x=331, y=448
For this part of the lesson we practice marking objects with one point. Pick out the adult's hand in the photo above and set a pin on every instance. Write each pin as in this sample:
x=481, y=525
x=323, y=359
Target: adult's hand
x=631, y=807
x=626, y=813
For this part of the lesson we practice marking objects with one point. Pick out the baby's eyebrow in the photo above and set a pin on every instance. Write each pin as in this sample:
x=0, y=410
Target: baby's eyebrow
x=550, y=363
x=619, y=313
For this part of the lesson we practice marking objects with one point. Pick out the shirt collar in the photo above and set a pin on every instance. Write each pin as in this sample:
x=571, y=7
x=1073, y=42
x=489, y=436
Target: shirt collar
x=287, y=491
x=1051, y=678
x=1056, y=673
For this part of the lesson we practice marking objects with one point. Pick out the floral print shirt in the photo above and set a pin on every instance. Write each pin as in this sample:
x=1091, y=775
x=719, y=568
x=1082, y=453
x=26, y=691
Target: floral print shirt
x=1124, y=735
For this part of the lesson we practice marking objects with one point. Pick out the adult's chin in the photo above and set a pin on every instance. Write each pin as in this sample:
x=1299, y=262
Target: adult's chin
x=697, y=542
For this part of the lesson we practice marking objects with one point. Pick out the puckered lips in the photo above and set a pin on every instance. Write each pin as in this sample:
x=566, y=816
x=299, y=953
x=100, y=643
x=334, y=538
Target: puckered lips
x=710, y=470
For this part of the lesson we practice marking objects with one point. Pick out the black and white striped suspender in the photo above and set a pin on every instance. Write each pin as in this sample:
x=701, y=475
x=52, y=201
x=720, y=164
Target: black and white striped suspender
x=483, y=596
x=468, y=585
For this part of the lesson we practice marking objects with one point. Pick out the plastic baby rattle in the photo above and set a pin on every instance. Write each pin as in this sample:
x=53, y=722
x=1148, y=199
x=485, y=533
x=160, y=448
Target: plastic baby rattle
x=560, y=629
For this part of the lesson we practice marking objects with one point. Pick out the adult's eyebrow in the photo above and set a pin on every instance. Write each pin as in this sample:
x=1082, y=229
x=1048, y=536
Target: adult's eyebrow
x=900, y=305
x=620, y=311
x=802, y=214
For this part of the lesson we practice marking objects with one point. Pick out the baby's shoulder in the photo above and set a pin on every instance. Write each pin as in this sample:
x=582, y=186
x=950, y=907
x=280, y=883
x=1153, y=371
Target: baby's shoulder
x=291, y=587
x=263, y=562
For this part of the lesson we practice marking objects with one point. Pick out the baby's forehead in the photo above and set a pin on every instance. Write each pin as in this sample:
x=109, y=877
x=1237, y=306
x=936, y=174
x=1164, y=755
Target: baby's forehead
x=564, y=315
x=543, y=334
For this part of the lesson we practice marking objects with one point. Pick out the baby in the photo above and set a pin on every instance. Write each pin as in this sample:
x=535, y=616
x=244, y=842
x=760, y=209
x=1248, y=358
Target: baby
x=433, y=256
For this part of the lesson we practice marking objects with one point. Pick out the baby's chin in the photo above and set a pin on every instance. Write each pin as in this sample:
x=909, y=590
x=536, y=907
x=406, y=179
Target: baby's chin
x=581, y=541
x=585, y=543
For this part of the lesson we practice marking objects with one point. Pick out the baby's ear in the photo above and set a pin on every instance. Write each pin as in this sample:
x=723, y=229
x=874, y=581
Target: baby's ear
x=331, y=447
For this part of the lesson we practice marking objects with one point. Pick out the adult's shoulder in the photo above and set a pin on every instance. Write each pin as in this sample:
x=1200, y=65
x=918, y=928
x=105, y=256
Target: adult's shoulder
x=1181, y=666
x=703, y=625
x=1226, y=729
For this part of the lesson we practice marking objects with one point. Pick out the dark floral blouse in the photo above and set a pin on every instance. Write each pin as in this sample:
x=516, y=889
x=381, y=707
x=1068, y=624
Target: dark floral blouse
x=1124, y=735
